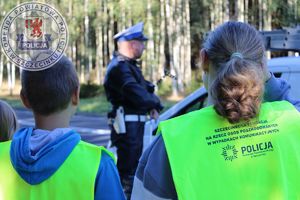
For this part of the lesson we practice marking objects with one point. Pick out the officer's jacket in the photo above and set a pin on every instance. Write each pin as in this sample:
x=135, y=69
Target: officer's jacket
x=125, y=86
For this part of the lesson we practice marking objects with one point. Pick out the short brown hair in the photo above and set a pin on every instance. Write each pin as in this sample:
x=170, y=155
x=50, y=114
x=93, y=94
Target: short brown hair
x=50, y=90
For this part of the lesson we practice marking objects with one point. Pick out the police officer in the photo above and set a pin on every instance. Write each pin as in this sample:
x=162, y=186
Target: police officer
x=132, y=98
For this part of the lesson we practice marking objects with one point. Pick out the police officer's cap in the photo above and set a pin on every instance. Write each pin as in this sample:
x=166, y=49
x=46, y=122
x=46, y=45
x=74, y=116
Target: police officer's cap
x=132, y=33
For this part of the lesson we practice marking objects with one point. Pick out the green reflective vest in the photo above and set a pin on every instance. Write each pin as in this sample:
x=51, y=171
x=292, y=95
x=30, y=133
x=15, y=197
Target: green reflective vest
x=213, y=159
x=75, y=178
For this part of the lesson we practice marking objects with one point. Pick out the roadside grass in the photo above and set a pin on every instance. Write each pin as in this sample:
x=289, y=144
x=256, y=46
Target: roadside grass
x=95, y=105
x=14, y=101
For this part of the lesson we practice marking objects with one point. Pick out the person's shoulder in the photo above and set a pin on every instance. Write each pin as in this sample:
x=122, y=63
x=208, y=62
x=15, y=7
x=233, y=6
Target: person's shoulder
x=157, y=145
x=190, y=117
x=91, y=150
x=155, y=160
x=117, y=67
x=107, y=162
x=5, y=144
x=106, y=158
x=108, y=185
x=89, y=145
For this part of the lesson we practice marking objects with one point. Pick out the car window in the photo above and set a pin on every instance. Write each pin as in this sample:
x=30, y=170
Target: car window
x=195, y=105
x=277, y=74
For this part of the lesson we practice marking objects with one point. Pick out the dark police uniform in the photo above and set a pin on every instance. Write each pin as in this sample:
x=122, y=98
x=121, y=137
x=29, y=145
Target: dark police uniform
x=125, y=86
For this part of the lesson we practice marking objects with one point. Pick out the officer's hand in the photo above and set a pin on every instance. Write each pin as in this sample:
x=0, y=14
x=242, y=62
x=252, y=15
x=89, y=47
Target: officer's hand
x=154, y=114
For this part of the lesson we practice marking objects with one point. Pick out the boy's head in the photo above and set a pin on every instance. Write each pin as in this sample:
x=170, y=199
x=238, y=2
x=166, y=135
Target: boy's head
x=8, y=121
x=51, y=90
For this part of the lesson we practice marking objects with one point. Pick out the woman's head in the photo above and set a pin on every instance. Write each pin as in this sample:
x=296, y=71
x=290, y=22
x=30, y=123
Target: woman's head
x=8, y=122
x=234, y=55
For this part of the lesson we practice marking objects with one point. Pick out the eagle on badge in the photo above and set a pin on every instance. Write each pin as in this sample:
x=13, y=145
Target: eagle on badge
x=35, y=27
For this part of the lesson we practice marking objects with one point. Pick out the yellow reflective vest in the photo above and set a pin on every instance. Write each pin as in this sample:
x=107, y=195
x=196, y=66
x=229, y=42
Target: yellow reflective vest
x=256, y=160
x=75, y=178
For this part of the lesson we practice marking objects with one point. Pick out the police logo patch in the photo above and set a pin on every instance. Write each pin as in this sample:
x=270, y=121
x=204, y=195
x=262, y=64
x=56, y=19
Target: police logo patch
x=34, y=36
x=229, y=152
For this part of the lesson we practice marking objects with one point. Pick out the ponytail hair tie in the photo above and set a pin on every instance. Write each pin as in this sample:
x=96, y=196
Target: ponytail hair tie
x=236, y=54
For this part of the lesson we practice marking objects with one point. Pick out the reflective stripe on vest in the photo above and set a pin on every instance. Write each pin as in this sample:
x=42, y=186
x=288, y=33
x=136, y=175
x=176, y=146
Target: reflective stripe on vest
x=75, y=178
x=213, y=159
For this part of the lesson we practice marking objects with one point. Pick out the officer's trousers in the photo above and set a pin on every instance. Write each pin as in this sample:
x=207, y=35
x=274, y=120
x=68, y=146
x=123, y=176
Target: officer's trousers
x=129, y=149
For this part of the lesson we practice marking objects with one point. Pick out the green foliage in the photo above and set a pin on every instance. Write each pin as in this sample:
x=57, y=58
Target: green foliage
x=195, y=83
x=283, y=14
x=14, y=101
x=165, y=85
x=164, y=88
x=97, y=104
x=90, y=90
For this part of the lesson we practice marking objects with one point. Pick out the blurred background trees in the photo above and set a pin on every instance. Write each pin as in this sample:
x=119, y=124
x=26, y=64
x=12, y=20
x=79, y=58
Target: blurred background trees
x=175, y=29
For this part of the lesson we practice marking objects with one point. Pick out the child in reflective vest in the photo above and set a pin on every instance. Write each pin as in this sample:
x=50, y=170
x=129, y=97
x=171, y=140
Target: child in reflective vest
x=239, y=146
x=49, y=160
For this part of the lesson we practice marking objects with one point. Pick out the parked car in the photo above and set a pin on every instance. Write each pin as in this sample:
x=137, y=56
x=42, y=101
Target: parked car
x=287, y=68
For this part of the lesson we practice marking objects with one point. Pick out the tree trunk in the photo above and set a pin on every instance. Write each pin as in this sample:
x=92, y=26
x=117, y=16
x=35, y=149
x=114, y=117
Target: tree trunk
x=82, y=60
x=162, y=40
x=105, y=40
x=218, y=11
x=225, y=15
x=69, y=17
x=122, y=25
x=260, y=15
x=111, y=31
x=77, y=57
x=99, y=52
x=73, y=54
x=246, y=10
x=240, y=10
x=178, y=47
x=170, y=32
x=212, y=17
x=150, y=68
x=187, y=46
x=99, y=55
x=87, y=54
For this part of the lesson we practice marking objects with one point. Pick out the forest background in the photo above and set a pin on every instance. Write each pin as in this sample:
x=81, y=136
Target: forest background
x=175, y=28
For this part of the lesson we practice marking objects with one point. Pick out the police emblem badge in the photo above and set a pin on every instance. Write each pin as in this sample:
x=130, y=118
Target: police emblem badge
x=34, y=36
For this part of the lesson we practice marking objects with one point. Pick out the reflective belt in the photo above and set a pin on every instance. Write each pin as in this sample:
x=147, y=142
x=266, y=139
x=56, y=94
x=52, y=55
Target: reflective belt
x=135, y=118
x=130, y=118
